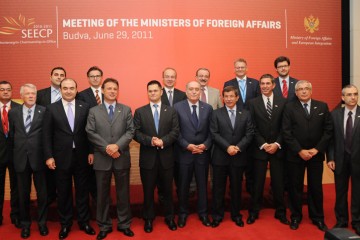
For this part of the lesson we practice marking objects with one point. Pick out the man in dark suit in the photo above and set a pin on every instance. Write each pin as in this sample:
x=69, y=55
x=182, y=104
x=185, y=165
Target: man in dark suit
x=156, y=129
x=110, y=129
x=307, y=129
x=26, y=141
x=6, y=155
x=45, y=97
x=193, y=147
x=66, y=150
x=232, y=132
x=284, y=84
x=266, y=112
x=343, y=157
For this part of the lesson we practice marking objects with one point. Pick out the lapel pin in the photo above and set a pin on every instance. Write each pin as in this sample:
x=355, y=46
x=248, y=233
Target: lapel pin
x=315, y=107
x=165, y=110
x=240, y=112
x=80, y=105
x=276, y=105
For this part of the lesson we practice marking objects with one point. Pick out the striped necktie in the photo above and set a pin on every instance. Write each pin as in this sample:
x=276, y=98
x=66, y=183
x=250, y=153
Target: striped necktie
x=268, y=108
x=28, y=121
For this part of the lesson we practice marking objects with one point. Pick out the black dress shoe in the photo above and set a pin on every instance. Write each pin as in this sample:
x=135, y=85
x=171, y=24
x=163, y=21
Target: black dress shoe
x=87, y=229
x=341, y=225
x=126, y=231
x=239, y=222
x=283, y=219
x=181, y=222
x=103, y=234
x=16, y=222
x=171, y=224
x=215, y=223
x=294, y=224
x=25, y=233
x=205, y=221
x=321, y=225
x=44, y=231
x=148, y=227
x=64, y=232
x=251, y=219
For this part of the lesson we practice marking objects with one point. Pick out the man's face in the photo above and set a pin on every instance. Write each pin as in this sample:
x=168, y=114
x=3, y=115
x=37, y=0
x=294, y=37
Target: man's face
x=5, y=92
x=57, y=76
x=304, y=92
x=283, y=69
x=240, y=69
x=169, y=78
x=154, y=93
x=350, y=97
x=266, y=86
x=68, y=90
x=28, y=96
x=110, y=92
x=193, y=91
x=95, y=78
x=203, y=77
x=230, y=99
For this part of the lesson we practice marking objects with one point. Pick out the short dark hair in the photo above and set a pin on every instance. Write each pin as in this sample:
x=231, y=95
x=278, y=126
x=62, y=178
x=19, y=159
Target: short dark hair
x=94, y=68
x=113, y=80
x=5, y=82
x=154, y=82
x=230, y=89
x=57, y=68
x=205, y=69
x=281, y=59
x=267, y=75
x=66, y=79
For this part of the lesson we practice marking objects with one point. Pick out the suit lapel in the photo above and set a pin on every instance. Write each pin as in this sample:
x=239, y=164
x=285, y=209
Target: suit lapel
x=78, y=109
x=92, y=97
x=33, y=121
x=188, y=112
x=117, y=112
x=104, y=112
x=60, y=109
x=149, y=116
x=357, y=119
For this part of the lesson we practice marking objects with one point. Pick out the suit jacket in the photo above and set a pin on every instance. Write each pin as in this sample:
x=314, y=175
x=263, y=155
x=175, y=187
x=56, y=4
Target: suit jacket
x=5, y=152
x=43, y=97
x=190, y=134
x=252, y=91
x=306, y=132
x=102, y=132
x=178, y=96
x=214, y=98
x=224, y=135
x=88, y=96
x=267, y=130
x=337, y=145
x=27, y=146
x=291, y=89
x=145, y=130
x=58, y=138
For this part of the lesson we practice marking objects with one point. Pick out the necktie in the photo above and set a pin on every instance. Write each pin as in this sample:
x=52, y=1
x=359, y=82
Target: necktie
x=170, y=98
x=98, y=100
x=285, y=90
x=348, y=133
x=194, y=116
x=268, y=108
x=28, y=121
x=203, y=95
x=243, y=90
x=306, y=109
x=111, y=112
x=156, y=117
x=58, y=96
x=70, y=116
x=5, y=121
x=232, y=117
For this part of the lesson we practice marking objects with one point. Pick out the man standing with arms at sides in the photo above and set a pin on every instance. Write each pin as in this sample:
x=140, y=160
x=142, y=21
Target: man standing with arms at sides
x=6, y=155
x=266, y=112
x=208, y=94
x=193, y=147
x=171, y=95
x=232, y=132
x=307, y=130
x=66, y=150
x=110, y=129
x=343, y=158
x=156, y=129
x=26, y=124
x=45, y=97
x=284, y=84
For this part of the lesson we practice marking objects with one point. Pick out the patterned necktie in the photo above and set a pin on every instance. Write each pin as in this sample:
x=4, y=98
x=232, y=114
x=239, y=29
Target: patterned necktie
x=111, y=112
x=268, y=108
x=348, y=133
x=98, y=100
x=156, y=117
x=28, y=121
x=70, y=116
x=203, y=95
x=306, y=109
x=285, y=90
x=243, y=89
x=170, y=98
x=58, y=96
x=5, y=121
x=232, y=117
x=194, y=116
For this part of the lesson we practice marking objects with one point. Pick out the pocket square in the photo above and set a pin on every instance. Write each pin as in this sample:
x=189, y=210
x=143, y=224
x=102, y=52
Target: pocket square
x=321, y=114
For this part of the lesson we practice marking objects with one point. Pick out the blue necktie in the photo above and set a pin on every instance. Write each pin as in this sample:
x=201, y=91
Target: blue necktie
x=156, y=118
x=194, y=116
x=28, y=121
x=111, y=112
x=243, y=89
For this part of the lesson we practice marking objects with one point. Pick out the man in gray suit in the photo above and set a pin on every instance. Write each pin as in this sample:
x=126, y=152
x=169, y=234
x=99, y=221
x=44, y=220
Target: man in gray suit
x=343, y=157
x=110, y=129
x=208, y=94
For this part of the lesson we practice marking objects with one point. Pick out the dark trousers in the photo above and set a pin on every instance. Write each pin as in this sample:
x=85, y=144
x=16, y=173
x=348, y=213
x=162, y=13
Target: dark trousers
x=24, y=183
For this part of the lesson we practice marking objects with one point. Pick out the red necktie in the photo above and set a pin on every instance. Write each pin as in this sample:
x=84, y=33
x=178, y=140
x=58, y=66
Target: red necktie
x=5, y=121
x=98, y=100
x=203, y=95
x=285, y=89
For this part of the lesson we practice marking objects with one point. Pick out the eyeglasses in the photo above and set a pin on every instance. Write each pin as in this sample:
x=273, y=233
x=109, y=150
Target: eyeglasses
x=96, y=76
x=283, y=66
x=5, y=89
